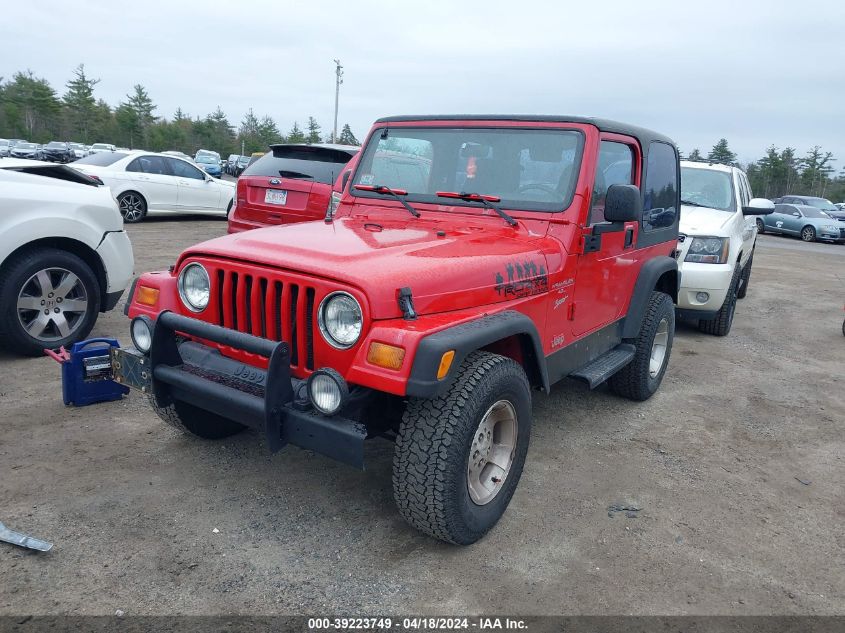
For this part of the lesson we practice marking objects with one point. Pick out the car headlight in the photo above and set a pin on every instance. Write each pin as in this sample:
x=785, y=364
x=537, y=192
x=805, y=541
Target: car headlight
x=708, y=250
x=194, y=287
x=340, y=320
x=141, y=330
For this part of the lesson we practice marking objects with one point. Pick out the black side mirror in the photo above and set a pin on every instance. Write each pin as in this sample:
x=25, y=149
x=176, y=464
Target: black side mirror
x=622, y=203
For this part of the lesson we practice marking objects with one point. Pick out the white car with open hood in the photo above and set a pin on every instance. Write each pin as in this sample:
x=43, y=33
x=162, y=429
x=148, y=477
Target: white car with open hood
x=147, y=183
x=64, y=256
x=715, y=243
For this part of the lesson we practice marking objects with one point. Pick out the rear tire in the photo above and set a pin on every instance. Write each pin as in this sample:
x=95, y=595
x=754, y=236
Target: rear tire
x=721, y=325
x=195, y=421
x=745, y=278
x=640, y=379
x=132, y=206
x=808, y=234
x=458, y=457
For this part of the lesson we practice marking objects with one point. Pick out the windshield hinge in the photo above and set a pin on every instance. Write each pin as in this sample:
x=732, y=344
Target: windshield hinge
x=406, y=304
x=571, y=312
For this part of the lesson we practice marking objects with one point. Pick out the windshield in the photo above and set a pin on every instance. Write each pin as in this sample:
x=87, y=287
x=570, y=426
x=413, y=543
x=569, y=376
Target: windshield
x=707, y=188
x=822, y=203
x=101, y=160
x=205, y=158
x=55, y=144
x=527, y=169
x=100, y=146
x=25, y=146
x=76, y=146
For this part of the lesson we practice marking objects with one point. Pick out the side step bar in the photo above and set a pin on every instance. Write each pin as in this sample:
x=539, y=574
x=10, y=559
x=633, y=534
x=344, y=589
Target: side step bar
x=605, y=365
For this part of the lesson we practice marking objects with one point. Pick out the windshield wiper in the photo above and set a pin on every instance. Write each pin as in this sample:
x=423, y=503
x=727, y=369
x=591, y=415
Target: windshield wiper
x=693, y=204
x=486, y=200
x=387, y=191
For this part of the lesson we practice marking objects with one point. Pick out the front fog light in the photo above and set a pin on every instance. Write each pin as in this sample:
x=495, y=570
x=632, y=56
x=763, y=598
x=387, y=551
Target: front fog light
x=702, y=297
x=327, y=391
x=141, y=330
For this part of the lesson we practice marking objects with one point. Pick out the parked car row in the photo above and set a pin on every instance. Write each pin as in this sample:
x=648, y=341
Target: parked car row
x=54, y=151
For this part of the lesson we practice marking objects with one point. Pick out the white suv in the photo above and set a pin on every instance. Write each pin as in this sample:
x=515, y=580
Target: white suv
x=64, y=256
x=715, y=242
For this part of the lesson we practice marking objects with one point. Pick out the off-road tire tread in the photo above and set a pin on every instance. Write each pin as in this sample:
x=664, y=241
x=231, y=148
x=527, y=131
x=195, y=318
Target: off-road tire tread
x=14, y=340
x=721, y=325
x=632, y=381
x=208, y=427
x=429, y=426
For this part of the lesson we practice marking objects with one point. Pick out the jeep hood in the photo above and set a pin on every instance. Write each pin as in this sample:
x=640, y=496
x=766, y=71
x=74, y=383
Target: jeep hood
x=447, y=265
x=703, y=221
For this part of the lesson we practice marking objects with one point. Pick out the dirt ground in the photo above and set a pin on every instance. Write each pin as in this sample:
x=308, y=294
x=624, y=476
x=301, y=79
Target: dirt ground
x=737, y=465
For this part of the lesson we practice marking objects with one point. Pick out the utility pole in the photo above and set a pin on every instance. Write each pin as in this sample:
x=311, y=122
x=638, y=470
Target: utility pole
x=242, y=147
x=338, y=80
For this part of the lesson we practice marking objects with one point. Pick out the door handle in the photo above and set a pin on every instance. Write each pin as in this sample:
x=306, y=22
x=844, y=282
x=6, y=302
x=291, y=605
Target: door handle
x=629, y=237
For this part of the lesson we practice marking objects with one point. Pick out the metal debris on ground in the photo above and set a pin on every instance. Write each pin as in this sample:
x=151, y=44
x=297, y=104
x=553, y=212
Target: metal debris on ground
x=629, y=510
x=806, y=482
x=22, y=540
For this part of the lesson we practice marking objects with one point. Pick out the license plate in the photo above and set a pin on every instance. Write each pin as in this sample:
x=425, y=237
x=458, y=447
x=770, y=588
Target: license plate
x=275, y=196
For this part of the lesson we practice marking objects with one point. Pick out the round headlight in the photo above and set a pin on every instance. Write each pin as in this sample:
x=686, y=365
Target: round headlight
x=327, y=391
x=340, y=320
x=141, y=330
x=194, y=287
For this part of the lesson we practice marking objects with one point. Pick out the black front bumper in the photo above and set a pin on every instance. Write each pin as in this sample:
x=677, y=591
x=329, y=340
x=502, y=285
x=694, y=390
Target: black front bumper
x=181, y=370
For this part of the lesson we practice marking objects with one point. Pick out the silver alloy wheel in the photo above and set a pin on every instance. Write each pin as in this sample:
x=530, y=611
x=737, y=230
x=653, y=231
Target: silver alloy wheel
x=658, y=348
x=492, y=452
x=808, y=234
x=131, y=207
x=52, y=304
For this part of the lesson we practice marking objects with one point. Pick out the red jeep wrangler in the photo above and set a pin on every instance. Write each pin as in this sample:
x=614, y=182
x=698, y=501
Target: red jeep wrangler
x=471, y=260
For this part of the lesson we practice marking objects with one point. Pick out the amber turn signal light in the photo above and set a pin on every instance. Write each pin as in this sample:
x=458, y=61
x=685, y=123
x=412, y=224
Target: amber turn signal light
x=387, y=356
x=445, y=364
x=147, y=296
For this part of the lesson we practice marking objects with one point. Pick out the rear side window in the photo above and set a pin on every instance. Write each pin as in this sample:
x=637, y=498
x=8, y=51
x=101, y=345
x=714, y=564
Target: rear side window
x=103, y=159
x=319, y=164
x=661, y=187
x=150, y=165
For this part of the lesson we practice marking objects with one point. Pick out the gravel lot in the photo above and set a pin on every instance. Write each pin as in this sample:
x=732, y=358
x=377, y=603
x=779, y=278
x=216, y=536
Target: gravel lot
x=737, y=466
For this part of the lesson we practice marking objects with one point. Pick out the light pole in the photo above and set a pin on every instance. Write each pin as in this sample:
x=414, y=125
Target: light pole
x=338, y=80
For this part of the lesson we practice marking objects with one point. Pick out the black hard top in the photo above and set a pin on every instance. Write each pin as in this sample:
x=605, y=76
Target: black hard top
x=643, y=135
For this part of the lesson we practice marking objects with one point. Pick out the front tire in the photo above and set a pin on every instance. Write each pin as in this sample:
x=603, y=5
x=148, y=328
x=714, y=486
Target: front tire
x=721, y=325
x=808, y=234
x=192, y=420
x=132, y=206
x=458, y=457
x=761, y=226
x=640, y=379
x=48, y=298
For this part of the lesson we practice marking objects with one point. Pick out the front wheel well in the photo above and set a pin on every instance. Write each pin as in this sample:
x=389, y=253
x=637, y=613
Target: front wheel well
x=520, y=348
x=668, y=283
x=80, y=249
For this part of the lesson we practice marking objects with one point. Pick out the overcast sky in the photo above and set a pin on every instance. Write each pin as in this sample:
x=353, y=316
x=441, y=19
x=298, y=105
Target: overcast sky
x=754, y=72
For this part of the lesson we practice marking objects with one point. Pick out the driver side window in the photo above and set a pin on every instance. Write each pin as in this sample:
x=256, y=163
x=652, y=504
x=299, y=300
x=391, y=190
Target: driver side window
x=615, y=167
x=183, y=170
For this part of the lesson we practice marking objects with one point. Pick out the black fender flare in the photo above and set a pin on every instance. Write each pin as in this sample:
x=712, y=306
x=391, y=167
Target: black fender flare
x=469, y=337
x=663, y=268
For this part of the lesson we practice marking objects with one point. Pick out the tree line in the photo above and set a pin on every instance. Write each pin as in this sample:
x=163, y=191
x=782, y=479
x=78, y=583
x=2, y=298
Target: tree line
x=31, y=108
x=783, y=171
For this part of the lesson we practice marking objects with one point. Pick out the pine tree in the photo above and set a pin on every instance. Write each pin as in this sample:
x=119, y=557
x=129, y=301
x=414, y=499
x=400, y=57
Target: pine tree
x=80, y=104
x=313, y=131
x=695, y=154
x=347, y=137
x=136, y=115
x=721, y=153
x=296, y=135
